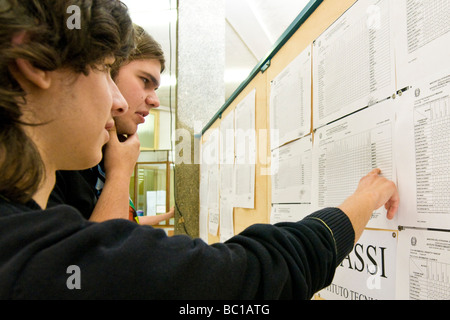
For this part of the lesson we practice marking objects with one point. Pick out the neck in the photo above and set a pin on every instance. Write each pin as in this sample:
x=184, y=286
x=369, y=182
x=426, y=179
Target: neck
x=46, y=187
x=36, y=133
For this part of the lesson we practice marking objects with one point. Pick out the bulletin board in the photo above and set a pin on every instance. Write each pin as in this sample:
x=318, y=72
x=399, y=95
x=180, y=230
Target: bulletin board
x=350, y=86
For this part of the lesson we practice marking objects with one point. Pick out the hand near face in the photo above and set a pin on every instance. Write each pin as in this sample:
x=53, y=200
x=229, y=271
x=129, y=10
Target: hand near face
x=121, y=154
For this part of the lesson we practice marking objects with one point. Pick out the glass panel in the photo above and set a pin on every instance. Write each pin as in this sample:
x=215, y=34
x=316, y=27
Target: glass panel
x=151, y=197
x=132, y=193
x=153, y=156
x=172, y=192
x=150, y=190
x=146, y=132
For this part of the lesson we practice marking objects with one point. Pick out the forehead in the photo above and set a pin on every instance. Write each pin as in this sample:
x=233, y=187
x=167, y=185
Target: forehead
x=152, y=66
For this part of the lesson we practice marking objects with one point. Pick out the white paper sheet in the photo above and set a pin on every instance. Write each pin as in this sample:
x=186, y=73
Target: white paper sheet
x=245, y=150
x=347, y=150
x=226, y=177
x=369, y=271
x=213, y=169
x=423, y=150
x=203, y=195
x=226, y=220
x=422, y=38
x=151, y=203
x=354, y=61
x=423, y=265
x=226, y=201
x=290, y=101
x=203, y=223
x=203, y=192
x=289, y=212
x=213, y=183
x=227, y=139
x=213, y=223
x=292, y=171
x=210, y=167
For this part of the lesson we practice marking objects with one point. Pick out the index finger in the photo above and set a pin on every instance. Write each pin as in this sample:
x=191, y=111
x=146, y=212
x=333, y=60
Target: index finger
x=392, y=206
x=376, y=171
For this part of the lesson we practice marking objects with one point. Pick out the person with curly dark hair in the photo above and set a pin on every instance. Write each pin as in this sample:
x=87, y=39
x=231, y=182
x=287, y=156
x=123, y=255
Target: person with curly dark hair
x=57, y=103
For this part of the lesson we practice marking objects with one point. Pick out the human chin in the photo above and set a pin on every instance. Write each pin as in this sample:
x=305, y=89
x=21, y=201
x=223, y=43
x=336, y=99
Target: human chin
x=126, y=127
x=95, y=156
x=90, y=159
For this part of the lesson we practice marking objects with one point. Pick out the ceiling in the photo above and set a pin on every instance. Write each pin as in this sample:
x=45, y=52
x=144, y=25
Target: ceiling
x=252, y=28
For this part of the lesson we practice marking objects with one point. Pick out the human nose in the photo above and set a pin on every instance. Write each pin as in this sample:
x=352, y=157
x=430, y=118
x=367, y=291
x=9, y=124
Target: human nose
x=119, y=104
x=152, y=100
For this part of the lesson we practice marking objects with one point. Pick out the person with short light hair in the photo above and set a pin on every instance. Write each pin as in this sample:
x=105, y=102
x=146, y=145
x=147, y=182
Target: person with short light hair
x=57, y=103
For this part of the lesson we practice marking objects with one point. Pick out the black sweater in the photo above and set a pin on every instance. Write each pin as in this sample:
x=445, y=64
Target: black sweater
x=119, y=259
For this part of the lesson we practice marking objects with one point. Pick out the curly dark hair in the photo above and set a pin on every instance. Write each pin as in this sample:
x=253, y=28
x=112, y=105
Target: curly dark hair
x=106, y=30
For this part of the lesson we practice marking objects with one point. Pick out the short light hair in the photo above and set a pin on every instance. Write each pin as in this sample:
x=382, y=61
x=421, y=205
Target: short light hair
x=146, y=47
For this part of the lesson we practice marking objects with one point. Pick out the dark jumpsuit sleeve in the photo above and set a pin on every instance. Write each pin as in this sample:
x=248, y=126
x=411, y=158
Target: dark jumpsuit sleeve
x=119, y=259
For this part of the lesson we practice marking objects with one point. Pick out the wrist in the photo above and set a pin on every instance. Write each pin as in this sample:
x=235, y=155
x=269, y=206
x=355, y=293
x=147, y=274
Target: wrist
x=119, y=174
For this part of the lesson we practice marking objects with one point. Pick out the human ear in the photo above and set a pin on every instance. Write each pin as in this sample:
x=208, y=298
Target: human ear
x=36, y=76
